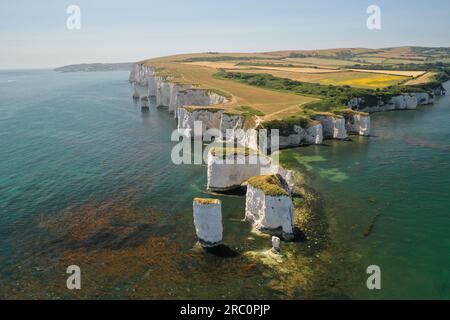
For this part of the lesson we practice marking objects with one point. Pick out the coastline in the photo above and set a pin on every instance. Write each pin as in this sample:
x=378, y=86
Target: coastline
x=190, y=103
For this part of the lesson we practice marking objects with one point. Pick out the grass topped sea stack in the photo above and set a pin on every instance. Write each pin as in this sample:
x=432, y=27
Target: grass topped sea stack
x=228, y=168
x=208, y=221
x=269, y=206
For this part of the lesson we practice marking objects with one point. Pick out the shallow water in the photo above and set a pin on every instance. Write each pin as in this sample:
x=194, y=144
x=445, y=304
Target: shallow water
x=86, y=179
x=387, y=198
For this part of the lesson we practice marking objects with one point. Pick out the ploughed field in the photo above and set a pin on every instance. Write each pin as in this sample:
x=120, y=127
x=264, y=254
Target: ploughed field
x=373, y=69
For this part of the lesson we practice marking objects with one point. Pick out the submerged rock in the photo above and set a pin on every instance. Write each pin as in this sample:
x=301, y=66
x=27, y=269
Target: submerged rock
x=208, y=221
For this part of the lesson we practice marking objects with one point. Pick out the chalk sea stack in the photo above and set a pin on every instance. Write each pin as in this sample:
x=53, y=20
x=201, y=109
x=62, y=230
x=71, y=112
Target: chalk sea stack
x=269, y=206
x=228, y=168
x=208, y=221
x=136, y=94
x=145, y=104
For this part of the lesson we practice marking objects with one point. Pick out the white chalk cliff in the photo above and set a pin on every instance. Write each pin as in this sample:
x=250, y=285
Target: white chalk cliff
x=333, y=127
x=407, y=101
x=357, y=123
x=231, y=122
x=208, y=221
x=269, y=213
x=302, y=136
x=288, y=176
x=230, y=171
x=424, y=98
x=182, y=100
x=169, y=93
x=210, y=119
x=177, y=97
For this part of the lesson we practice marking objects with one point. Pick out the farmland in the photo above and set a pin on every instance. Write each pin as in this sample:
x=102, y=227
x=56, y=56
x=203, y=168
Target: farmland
x=342, y=69
x=355, y=79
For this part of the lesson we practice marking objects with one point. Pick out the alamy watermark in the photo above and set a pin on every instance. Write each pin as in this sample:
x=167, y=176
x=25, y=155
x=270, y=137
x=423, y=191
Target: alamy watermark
x=74, y=280
x=374, y=280
x=73, y=22
x=374, y=19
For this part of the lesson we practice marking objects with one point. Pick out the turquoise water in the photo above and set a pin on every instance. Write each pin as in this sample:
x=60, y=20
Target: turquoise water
x=72, y=138
x=84, y=171
x=86, y=178
x=398, y=181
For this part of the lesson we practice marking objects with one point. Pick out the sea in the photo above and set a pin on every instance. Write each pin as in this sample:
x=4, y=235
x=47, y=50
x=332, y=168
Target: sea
x=86, y=179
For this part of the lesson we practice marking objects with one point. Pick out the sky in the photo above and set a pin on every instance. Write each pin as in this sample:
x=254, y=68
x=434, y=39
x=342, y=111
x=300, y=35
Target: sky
x=34, y=34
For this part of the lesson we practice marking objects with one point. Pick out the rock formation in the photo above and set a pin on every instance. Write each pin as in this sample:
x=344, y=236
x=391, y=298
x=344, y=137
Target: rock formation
x=136, y=94
x=190, y=104
x=406, y=101
x=357, y=123
x=229, y=169
x=268, y=205
x=208, y=221
x=333, y=126
x=169, y=93
x=276, y=245
x=210, y=118
x=424, y=98
x=302, y=136
x=145, y=104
